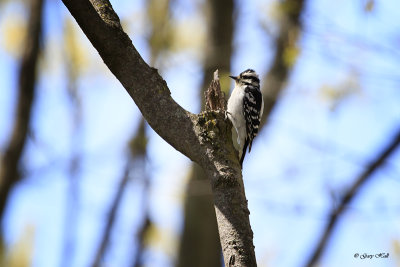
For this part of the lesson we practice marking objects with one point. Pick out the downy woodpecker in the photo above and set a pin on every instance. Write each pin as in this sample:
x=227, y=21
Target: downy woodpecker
x=245, y=108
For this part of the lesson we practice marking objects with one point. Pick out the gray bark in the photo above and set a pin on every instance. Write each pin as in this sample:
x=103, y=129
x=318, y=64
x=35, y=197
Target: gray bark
x=200, y=244
x=204, y=138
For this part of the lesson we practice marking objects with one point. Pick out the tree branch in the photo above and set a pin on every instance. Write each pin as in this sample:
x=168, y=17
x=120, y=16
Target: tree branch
x=349, y=196
x=200, y=244
x=146, y=87
x=205, y=138
x=9, y=173
x=135, y=164
x=289, y=32
x=230, y=202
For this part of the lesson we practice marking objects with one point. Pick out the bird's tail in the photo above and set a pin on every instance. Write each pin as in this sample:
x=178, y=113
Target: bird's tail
x=246, y=143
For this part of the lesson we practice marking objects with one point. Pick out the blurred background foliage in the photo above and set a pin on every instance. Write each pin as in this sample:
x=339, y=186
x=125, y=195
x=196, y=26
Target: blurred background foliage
x=84, y=181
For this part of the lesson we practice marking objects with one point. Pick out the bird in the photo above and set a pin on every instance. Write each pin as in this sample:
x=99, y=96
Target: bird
x=244, y=109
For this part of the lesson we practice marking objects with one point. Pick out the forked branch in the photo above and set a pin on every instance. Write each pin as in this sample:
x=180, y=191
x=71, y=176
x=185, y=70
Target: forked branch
x=204, y=138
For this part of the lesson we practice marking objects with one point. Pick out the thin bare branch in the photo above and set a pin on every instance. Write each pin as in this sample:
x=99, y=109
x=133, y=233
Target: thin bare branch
x=9, y=173
x=351, y=193
x=111, y=218
x=275, y=80
x=135, y=162
x=74, y=170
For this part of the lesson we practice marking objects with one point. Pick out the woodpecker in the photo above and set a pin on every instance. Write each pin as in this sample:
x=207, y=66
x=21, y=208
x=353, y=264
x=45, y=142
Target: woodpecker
x=245, y=108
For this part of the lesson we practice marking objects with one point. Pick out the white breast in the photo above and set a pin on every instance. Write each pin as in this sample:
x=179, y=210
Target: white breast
x=235, y=114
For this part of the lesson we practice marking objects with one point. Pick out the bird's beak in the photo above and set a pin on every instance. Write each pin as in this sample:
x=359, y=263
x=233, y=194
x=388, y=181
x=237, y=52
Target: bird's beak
x=233, y=77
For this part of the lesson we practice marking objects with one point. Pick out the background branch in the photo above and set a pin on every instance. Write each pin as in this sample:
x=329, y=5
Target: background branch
x=9, y=164
x=112, y=214
x=274, y=82
x=135, y=164
x=200, y=244
x=316, y=147
x=351, y=193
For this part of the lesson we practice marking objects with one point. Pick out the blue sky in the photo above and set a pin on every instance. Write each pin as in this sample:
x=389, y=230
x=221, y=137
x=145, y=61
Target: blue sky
x=303, y=160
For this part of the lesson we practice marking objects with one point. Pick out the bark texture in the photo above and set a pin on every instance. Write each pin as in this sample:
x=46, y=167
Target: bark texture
x=230, y=203
x=150, y=92
x=200, y=244
x=204, y=138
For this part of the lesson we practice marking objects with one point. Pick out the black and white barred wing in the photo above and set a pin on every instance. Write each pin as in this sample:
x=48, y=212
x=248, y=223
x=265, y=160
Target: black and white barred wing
x=252, y=112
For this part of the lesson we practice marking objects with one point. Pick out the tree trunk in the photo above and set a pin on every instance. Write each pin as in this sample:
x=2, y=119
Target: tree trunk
x=204, y=138
x=200, y=244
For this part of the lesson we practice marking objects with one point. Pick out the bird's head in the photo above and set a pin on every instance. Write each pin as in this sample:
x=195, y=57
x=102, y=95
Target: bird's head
x=247, y=77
